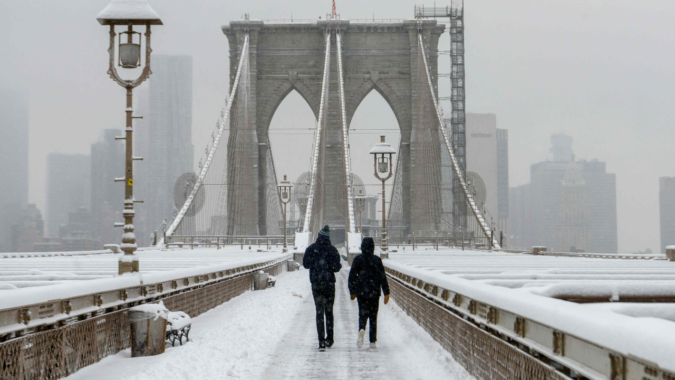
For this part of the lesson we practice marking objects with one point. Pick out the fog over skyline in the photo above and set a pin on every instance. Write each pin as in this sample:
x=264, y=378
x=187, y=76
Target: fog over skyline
x=600, y=71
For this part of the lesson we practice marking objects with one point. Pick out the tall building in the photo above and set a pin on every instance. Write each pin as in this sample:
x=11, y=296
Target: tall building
x=27, y=229
x=667, y=211
x=107, y=197
x=13, y=162
x=503, y=179
x=561, y=147
x=543, y=206
x=164, y=140
x=68, y=188
x=520, y=218
x=487, y=153
x=573, y=223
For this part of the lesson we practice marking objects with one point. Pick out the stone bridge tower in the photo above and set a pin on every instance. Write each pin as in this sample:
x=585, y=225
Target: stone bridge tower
x=377, y=56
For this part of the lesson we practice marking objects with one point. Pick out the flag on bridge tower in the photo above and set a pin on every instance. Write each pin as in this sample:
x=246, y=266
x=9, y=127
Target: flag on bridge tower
x=334, y=11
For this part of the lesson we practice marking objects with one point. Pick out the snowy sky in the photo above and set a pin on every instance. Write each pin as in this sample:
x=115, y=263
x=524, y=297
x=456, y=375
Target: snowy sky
x=598, y=70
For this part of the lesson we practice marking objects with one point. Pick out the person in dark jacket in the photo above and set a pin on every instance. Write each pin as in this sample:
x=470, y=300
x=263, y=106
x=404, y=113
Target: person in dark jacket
x=323, y=260
x=367, y=281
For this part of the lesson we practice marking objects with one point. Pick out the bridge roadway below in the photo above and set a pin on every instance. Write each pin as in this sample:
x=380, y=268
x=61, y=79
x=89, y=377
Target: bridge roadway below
x=271, y=334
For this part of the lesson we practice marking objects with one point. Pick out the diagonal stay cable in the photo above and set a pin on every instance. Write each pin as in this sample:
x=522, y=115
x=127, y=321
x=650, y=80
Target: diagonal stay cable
x=345, y=137
x=455, y=165
x=317, y=140
x=205, y=168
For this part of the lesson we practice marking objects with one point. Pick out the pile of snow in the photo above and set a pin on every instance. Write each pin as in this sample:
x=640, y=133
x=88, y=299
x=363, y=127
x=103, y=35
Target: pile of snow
x=148, y=311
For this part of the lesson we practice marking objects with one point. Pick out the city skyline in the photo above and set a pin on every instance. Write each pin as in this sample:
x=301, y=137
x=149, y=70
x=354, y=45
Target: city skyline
x=533, y=96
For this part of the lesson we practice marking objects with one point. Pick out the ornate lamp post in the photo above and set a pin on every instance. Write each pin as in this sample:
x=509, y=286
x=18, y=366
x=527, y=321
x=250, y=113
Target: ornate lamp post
x=382, y=156
x=129, y=13
x=285, y=188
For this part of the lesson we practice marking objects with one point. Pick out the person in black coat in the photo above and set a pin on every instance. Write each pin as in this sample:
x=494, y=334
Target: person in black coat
x=323, y=260
x=367, y=281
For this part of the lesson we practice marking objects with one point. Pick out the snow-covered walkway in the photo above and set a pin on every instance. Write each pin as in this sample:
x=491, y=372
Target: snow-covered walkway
x=271, y=334
x=404, y=350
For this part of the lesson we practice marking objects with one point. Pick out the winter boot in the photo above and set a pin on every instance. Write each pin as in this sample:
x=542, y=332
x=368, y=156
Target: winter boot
x=373, y=345
x=359, y=342
x=322, y=346
x=329, y=344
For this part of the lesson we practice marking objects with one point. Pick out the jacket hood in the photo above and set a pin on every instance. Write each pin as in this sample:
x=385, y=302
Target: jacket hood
x=367, y=246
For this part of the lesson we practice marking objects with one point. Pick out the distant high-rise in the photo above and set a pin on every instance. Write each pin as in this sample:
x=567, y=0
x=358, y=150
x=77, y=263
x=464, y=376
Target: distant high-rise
x=68, y=188
x=27, y=229
x=667, y=211
x=13, y=161
x=107, y=197
x=487, y=161
x=543, y=205
x=164, y=140
x=573, y=221
x=503, y=178
x=561, y=148
x=519, y=234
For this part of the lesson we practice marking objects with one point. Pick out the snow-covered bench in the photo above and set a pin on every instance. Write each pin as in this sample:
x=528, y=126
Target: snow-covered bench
x=178, y=326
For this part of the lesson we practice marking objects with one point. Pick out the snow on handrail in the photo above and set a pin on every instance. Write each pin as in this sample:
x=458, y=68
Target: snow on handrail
x=317, y=139
x=479, y=217
x=643, y=338
x=104, y=294
x=205, y=168
x=345, y=137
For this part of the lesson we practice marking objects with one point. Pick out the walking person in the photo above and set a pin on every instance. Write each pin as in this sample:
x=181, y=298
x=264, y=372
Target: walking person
x=367, y=281
x=323, y=261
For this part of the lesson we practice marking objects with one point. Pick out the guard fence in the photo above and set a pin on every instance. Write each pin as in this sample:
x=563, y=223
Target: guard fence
x=218, y=242
x=55, y=338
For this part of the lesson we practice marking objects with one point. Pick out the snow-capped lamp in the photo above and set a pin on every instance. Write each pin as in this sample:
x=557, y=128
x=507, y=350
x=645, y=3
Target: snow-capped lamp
x=129, y=13
x=382, y=153
x=382, y=156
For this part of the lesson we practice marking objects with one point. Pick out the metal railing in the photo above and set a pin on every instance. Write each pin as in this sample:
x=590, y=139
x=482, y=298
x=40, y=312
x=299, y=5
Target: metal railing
x=54, y=339
x=520, y=347
x=436, y=242
x=209, y=241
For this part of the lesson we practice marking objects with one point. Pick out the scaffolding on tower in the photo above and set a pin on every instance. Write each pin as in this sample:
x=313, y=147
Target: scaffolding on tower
x=454, y=200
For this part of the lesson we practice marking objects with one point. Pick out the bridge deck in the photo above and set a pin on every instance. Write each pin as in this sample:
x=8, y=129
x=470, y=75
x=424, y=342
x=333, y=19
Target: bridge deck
x=272, y=335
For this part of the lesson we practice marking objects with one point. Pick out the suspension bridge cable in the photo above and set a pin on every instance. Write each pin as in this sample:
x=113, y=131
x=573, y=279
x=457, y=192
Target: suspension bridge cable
x=207, y=164
x=345, y=138
x=317, y=141
x=479, y=217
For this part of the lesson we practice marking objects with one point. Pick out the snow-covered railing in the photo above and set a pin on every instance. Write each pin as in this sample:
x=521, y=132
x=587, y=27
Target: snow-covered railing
x=30, y=310
x=455, y=165
x=618, y=256
x=317, y=140
x=222, y=127
x=17, y=255
x=592, y=342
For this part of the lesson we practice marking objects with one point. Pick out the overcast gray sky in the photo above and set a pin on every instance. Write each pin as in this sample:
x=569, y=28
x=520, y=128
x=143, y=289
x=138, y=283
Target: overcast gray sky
x=598, y=70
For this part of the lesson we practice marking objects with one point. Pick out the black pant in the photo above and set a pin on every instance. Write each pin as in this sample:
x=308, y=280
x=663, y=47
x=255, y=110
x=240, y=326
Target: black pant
x=368, y=311
x=324, y=297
